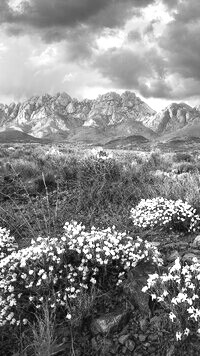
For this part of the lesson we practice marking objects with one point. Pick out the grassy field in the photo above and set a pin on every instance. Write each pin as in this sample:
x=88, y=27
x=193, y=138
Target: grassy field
x=43, y=187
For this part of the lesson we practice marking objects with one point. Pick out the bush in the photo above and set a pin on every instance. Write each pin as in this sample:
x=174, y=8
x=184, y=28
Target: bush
x=163, y=213
x=181, y=156
x=24, y=168
x=48, y=181
x=184, y=167
x=178, y=292
x=57, y=272
x=69, y=170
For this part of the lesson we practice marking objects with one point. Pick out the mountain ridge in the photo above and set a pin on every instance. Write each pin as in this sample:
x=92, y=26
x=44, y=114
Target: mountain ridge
x=61, y=116
x=109, y=117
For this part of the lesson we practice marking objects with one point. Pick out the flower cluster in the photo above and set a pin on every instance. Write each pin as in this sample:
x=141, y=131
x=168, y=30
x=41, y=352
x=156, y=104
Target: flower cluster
x=161, y=212
x=59, y=270
x=105, y=248
x=7, y=243
x=99, y=153
x=178, y=291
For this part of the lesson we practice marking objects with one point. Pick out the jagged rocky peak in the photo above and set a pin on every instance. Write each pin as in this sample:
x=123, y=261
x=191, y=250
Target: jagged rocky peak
x=172, y=118
x=127, y=100
x=109, y=97
x=46, y=115
x=63, y=99
x=112, y=109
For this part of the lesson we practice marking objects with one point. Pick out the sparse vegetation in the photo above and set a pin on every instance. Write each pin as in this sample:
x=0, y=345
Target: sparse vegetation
x=56, y=275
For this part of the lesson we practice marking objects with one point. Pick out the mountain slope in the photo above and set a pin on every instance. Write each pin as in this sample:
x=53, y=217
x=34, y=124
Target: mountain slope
x=189, y=131
x=9, y=136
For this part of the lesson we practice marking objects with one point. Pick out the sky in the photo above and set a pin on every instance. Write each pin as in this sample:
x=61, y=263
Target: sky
x=91, y=47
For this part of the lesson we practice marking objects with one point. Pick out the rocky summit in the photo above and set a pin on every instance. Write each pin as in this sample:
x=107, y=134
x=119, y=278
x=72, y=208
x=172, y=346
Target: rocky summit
x=109, y=117
x=174, y=117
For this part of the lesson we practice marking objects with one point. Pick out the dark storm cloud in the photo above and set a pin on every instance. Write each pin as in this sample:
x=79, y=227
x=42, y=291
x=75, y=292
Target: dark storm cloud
x=81, y=45
x=69, y=13
x=171, y=4
x=188, y=12
x=123, y=68
x=158, y=89
x=129, y=70
x=181, y=45
x=77, y=22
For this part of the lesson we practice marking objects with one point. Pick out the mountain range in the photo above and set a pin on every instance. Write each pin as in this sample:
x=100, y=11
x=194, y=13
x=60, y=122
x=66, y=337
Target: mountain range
x=109, y=118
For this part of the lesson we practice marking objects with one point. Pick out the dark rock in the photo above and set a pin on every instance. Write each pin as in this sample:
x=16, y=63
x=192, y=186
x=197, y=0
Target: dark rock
x=143, y=324
x=156, y=322
x=156, y=243
x=188, y=257
x=106, y=347
x=109, y=323
x=152, y=350
x=124, y=330
x=124, y=350
x=136, y=280
x=147, y=345
x=194, y=250
x=130, y=344
x=142, y=337
x=196, y=241
x=173, y=256
x=153, y=337
x=94, y=344
x=123, y=339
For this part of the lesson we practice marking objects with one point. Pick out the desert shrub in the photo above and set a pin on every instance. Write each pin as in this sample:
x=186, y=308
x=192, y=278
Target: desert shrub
x=155, y=157
x=18, y=153
x=4, y=152
x=164, y=213
x=183, y=156
x=70, y=169
x=184, y=167
x=99, y=169
x=46, y=181
x=57, y=271
x=24, y=168
x=152, y=163
x=178, y=292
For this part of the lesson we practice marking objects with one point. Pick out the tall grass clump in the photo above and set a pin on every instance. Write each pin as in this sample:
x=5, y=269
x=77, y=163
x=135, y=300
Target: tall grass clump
x=95, y=189
x=42, y=339
x=184, y=186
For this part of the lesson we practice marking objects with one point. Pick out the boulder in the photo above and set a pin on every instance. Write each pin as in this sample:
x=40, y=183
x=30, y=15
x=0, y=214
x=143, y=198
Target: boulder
x=136, y=280
x=110, y=322
x=196, y=242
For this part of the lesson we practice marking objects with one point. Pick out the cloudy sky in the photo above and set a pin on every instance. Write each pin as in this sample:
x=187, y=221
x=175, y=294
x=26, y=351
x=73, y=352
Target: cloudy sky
x=90, y=47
